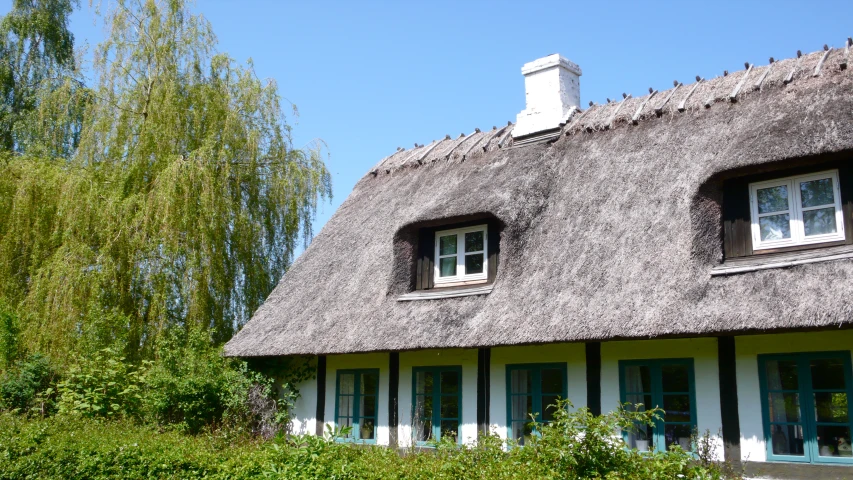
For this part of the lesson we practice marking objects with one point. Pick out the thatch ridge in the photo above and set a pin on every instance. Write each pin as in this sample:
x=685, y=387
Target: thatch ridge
x=610, y=232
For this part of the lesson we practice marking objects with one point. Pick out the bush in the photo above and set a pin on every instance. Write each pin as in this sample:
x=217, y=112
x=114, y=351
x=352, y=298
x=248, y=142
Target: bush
x=26, y=387
x=102, y=385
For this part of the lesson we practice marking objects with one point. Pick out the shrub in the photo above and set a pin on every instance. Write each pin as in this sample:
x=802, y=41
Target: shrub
x=26, y=387
x=103, y=385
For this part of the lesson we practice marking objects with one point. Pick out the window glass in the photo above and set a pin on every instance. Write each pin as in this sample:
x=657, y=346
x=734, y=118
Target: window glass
x=437, y=407
x=357, y=403
x=667, y=384
x=796, y=210
x=461, y=255
x=806, y=408
x=533, y=391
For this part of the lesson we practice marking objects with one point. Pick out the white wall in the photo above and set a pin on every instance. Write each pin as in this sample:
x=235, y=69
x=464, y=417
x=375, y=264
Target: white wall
x=304, y=417
x=703, y=351
x=574, y=354
x=467, y=359
x=362, y=360
x=747, y=349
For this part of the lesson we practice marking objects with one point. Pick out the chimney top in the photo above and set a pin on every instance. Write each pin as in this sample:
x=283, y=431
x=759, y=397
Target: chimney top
x=552, y=90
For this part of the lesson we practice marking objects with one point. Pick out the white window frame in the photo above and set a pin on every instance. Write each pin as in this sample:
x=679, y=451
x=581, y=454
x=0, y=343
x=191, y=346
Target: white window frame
x=795, y=209
x=461, y=276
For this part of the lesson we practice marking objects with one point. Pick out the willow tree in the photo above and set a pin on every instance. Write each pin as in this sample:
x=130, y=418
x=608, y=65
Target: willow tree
x=181, y=206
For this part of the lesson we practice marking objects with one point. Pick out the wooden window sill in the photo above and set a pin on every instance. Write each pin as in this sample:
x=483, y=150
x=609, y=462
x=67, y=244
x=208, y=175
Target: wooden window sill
x=781, y=260
x=439, y=293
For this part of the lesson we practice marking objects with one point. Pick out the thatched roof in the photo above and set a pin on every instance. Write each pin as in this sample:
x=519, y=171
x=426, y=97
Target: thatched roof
x=609, y=232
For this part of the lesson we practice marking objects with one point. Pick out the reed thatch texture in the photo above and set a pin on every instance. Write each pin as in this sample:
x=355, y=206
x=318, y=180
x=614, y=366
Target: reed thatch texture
x=607, y=234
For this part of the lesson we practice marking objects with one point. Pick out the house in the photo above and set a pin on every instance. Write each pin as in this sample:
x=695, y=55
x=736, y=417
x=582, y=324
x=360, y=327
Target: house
x=690, y=248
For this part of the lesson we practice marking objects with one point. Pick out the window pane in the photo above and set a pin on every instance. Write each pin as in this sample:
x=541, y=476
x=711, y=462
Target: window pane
x=548, y=407
x=638, y=379
x=423, y=382
x=831, y=407
x=552, y=381
x=782, y=375
x=817, y=192
x=521, y=431
x=677, y=408
x=345, y=405
x=447, y=267
x=367, y=429
x=368, y=406
x=447, y=245
x=773, y=199
x=347, y=380
x=450, y=428
x=640, y=438
x=775, y=227
x=827, y=374
x=473, y=264
x=522, y=407
x=820, y=221
x=474, y=241
x=520, y=381
x=784, y=407
x=635, y=400
x=678, y=435
x=423, y=418
x=449, y=407
x=787, y=439
x=345, y=422
x=676, y=378
x=449, y=382
x=833, y=441
x=370, y=383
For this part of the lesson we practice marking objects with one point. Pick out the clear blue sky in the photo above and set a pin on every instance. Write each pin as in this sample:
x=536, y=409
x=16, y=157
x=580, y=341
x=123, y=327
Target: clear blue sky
x=368, y=77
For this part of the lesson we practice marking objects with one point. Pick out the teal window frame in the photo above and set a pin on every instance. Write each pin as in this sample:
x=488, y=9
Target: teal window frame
x=356, y=408
x=436, y=402
x=807, y=406
x=536, y=393
x=655, y=365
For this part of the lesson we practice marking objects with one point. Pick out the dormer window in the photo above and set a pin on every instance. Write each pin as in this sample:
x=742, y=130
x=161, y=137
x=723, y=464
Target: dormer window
x=461, y=255
x=793, y=211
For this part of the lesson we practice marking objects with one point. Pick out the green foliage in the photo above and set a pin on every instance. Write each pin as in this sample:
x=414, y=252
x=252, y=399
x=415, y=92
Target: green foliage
x=176, y=201
x=26, y=387
x=102, y=385
x=9, y=332
x=577, y=445
x=37, y=51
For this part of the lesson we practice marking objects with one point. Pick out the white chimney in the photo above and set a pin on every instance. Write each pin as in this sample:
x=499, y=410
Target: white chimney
x=552, y=90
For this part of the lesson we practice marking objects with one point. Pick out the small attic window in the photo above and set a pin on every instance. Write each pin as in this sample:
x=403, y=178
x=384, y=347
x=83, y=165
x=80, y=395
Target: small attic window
x=460, y=255
x=794, y=211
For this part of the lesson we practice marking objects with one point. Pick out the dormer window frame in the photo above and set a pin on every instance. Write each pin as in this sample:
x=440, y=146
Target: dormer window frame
x=795, y=236
x=460, y=254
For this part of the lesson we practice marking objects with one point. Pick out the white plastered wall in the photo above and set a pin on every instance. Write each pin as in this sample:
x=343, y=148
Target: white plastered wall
x=304, y=417
x=747, y=348
x=361, y=360
x=703, y=351
x=467, y=359
x=573, y=354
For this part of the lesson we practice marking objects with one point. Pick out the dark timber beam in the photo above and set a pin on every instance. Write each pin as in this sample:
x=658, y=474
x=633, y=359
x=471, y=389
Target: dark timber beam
x=484, y=361
x=321, y=395
x=728, y=398
x=593, y=377
x=393, y=396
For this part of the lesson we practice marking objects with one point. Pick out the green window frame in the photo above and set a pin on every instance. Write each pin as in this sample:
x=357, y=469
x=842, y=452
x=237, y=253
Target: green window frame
x=530, y=389
x=805, y=406
x=661, y=383
x=440, y=400
x=357, y=403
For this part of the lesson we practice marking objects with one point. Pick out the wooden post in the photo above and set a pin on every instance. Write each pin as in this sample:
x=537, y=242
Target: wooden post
x=593, y=377
x=484, y=361
x=321, y=395
x=728, y=398
x=393, y=396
